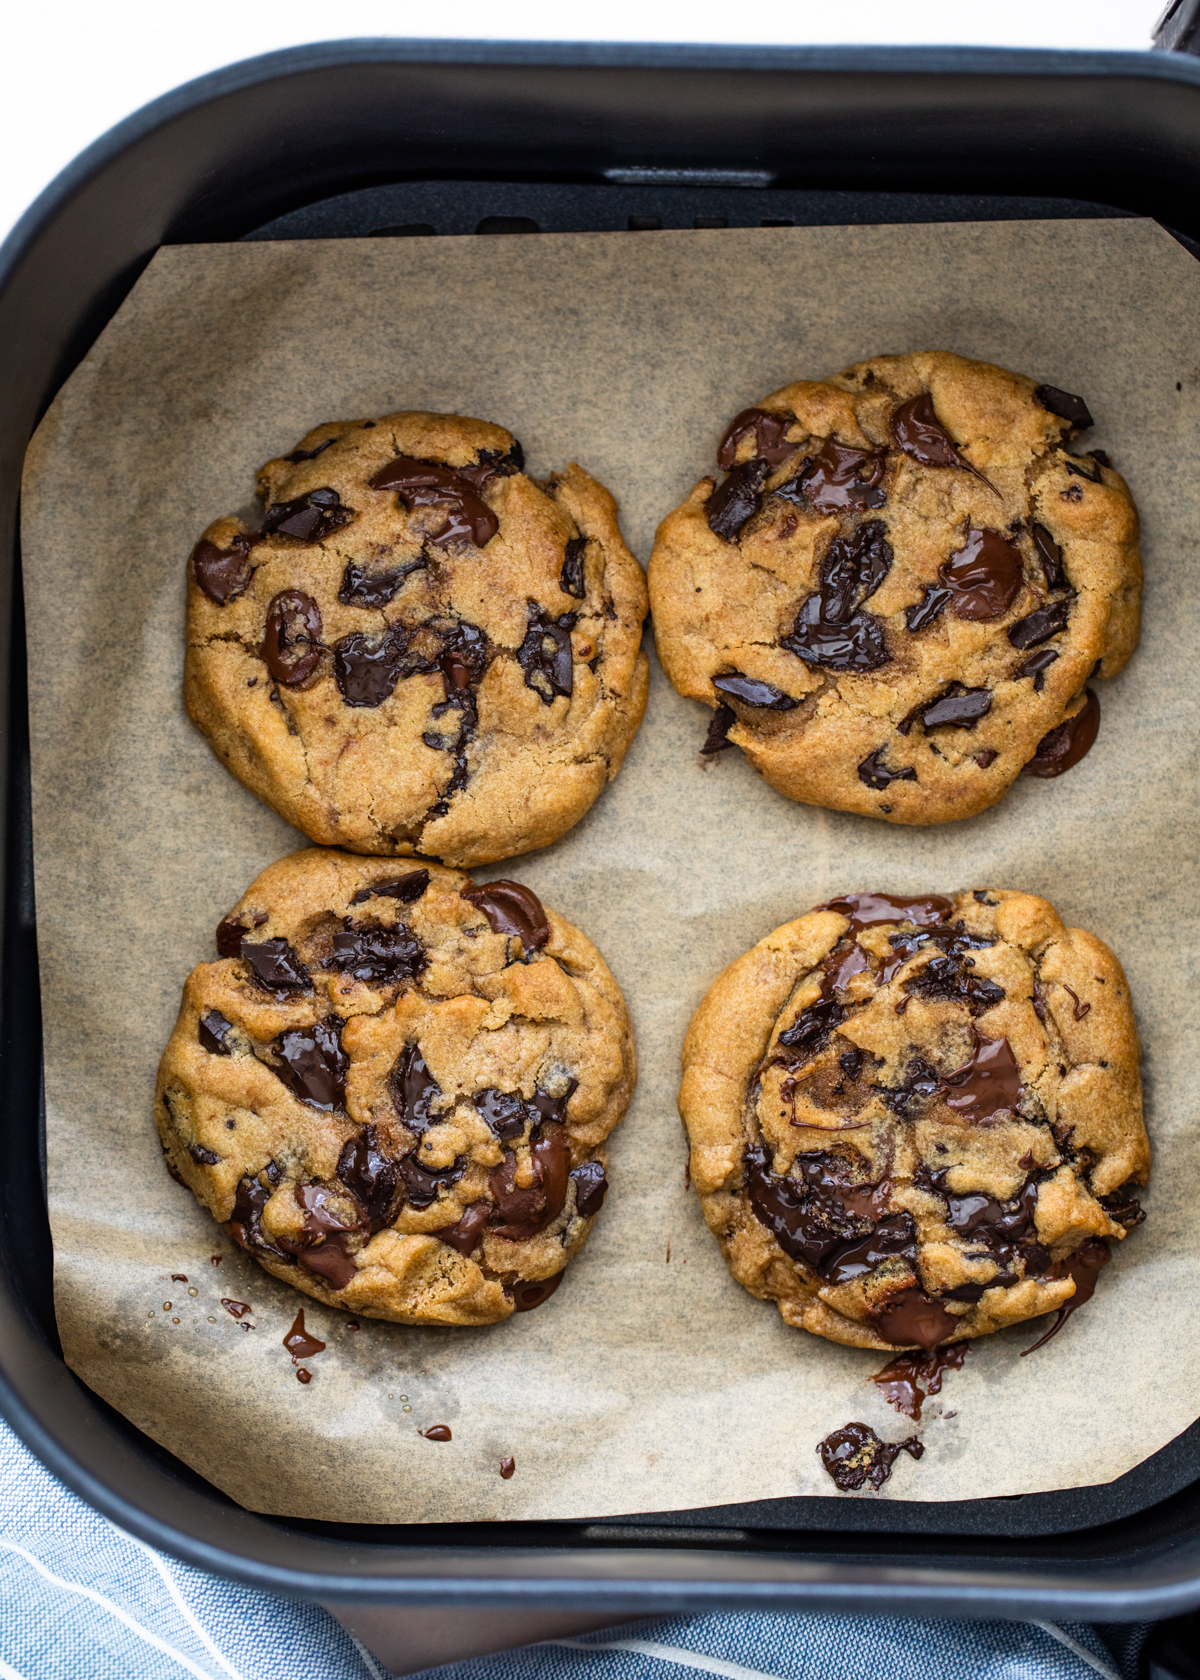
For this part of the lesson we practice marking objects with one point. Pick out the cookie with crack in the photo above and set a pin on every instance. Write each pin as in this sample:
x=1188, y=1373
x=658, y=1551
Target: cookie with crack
x=915, y=1120
x=898, y=595
x=394, y=1087
x=422, y=649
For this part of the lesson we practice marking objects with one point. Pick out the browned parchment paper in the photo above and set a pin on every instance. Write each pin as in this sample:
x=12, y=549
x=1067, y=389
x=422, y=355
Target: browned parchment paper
x=646, y=1383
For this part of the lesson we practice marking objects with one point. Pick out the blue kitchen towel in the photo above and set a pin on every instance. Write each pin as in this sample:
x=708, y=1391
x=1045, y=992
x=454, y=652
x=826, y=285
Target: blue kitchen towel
x=80, y=1600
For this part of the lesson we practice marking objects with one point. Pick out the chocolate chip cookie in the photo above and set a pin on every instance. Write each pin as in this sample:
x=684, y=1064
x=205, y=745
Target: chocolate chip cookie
x=914, y=1120
x=898, y=594
x=393, y=1088
x=422, y=649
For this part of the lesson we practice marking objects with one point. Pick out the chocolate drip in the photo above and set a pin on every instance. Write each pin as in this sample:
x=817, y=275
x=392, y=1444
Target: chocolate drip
x=413, y=1090
x=1040, y=625
x=407, y=888
x=299, y=1343
x=770, y=444
x=378, y=954
x=314, y=1064
x=545, y=655
x=843, y=478
x=1050, y=555
x=438, y=1432
x=274, y=967
x=1084, y=1266
x=512, y=909
x=374, y=589
x=522, y=1213
x=733, y=504
x=751, y=692
x=310, y=518
x=571, y=581
x=291, y=645
x=912, y=1317
x=855, y=1455
x=222, y=573
x=989, y=1086
x=1063, y=747
x=984, y=576
x=907, y=1382
x=921, y=435
x=371, y=1176
x=1065, y=406
x=213, y=1032
x=422, y=484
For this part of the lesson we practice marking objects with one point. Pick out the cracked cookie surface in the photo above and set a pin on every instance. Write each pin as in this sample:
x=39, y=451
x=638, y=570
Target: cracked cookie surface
x=897, y=596
x=422, y=649
x=394, y=1087
x=914, y=1121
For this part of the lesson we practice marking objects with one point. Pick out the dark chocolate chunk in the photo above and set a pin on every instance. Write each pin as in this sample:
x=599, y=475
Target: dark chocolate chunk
x=851, y=1063
x=203, y=1157
x=751, y=692
x=734, y=503
x=245, y=1226
x=823, y=1219
x=571, y=581
x=922, y=615
x=770, y=444
x=1065, y=406
x=989, y=1086
x=231, y=929
x=298, y=455
x=506, y=1113
x=423, y=484
x=371, y=1176
x=545, y=655
x=310, y=518
x=855, y=1455
x=1050, y=555
x=378, y=953
x=1063, y=747
x=842, y=477
x=959, y=707
x=421, y=1184
x=717, y=739
x=526, y=1296
x=373, y=589
x=522, y=1213
x=367, y=666
x=912, y=1317
x=213, y=1033
x=858, y=644
x=222, y=573
x=291, y=645
x=895, y=1235
x=323, y=1245
x=413, y=1090
x=919, y=1084
x=491, y=464
x=1036, y=667
x=984, y=576
x=1083, y=466
x=1123, y=1207
x=920, y=434
x=1040, y=624
x=512, y=909
x=275, y=967
x=814, y=1027
x=407, y=888
x=830, y=629
x=875, y=773
x=853, y=570
x=314, y=1064
x=466, y=1233
x=591, y=1187
x=946, y=979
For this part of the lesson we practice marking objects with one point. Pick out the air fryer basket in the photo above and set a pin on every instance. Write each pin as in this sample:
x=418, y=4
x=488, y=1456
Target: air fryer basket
x=377, y=136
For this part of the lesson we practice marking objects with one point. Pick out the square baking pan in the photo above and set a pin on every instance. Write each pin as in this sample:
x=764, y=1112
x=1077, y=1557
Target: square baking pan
x=434, y=139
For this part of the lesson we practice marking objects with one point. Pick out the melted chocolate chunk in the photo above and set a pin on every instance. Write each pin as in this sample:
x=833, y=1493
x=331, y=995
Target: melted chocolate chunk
x=984, y=576
x=230, y=931
x=717, y=738
x=751, y=692
x=407, y=888
x=371, y=1176
x=1050, y=555
x=853, y=570
x=222, y=573
x=958, y=707
x=423, y=484
x=513, y=910
x=907, y=1382
x=1040, y=625
x=946, y=979
x=895, y=1235
x=378, y=954
x=912, y=1317
x=291, y=645
x=822, y=1219
x=1004, y=1228
x=734, y=503
x=1123, y=1208
x=1063, y=747
x=299, y=1343
x=922, y=615
x=213, y=1033
x=770, y=444
x=921, y=435
x=814, y=1027
x=421, y=1184
x=298, y=455
x=309, y=518
x=830, y=629
x=851, y=1063
x=466, y=1233
x=875, y=909
x=841, y=477
x=245, y=1227
x=522, y=1213
x=373, y=589
x=858, y=644
x=874, y=773
x=1065, y=406
x=275, y=967
x=367, y=666
x=989, y=1086
x=314, y=1064
x=855, y=1455
x=591, y=1187
x=504, y=1112
x=323, y=1244
x=919, y=1084
x=491, y=464
x=203, y=1157
x=545, y=655
x=1084, y=1266
x=526, y=1296
x=571, y=581
x=1036, y=667
x=413, y=1090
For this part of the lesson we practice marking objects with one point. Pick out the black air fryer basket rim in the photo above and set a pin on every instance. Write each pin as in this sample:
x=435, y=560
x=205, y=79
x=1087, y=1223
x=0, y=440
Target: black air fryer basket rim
x=63, y=271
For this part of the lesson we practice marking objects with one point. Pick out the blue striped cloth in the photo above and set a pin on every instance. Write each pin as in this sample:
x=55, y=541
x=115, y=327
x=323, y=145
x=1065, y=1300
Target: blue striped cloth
x=80, y=1600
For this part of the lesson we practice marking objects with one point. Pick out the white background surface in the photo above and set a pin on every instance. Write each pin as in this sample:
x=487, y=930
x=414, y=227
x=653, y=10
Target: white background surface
x=75, y=70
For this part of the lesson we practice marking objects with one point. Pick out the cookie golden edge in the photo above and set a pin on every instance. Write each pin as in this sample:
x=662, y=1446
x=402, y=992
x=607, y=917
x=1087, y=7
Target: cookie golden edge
x=524, y=812
x=725, y=1048
x=404, y=1275
x=996, y=409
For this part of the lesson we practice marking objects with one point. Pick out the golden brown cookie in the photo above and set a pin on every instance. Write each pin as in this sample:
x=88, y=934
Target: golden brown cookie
x=917, y=1120
x=394, y=1087
x=898, y=595
x=423, y=649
